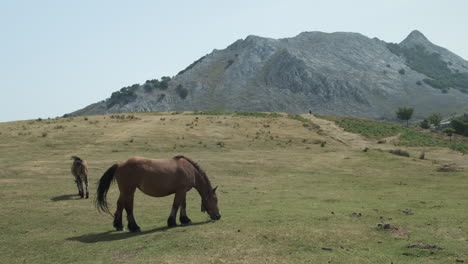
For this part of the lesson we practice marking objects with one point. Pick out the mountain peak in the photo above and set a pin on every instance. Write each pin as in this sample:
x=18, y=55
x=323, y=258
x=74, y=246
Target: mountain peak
x=415, y=37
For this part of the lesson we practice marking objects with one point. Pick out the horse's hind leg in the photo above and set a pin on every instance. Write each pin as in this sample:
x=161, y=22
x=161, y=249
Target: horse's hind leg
x=128, y=204
x=178, y=199
x=79, y=184
x=183, y=213
x=86, y=186
x=118, y=214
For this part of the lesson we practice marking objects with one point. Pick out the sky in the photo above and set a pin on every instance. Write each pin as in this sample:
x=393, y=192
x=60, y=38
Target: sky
x=59, y=56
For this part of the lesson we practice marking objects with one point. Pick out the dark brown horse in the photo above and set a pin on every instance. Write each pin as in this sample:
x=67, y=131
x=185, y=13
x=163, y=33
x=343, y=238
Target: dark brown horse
x=79, y=169
x=157, y=178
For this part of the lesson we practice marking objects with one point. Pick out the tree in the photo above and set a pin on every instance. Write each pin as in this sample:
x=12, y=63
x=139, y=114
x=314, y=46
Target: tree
x=435, y=119
x=449, y=132
x=405, y=113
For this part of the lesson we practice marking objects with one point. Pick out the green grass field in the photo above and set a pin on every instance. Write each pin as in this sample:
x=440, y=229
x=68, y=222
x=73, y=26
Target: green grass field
x=283, y=197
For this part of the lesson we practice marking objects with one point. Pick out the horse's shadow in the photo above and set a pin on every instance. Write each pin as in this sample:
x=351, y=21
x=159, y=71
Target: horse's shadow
x=65, y=197
x=118, y=235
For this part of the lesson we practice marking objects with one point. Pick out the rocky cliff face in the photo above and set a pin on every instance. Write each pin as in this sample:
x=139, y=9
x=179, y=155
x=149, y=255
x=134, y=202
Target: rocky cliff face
x=330, y=73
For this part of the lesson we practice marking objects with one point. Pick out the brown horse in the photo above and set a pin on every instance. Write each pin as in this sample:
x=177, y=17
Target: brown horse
x=79, y=169
x=157, y=178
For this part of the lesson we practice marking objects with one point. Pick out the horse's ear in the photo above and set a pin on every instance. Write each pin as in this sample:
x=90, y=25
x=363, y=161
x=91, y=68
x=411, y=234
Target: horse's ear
x=214, y=190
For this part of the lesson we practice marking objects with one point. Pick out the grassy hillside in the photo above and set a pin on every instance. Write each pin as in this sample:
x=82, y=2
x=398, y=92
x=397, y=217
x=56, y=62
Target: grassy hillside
x=410, y=137
x=285, y=196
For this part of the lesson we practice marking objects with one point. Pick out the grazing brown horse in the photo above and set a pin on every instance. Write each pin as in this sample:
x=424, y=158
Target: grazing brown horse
x=79, y=169
x=157, y=178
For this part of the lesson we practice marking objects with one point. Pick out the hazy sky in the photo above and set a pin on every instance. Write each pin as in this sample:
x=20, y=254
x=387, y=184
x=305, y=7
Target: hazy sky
x=60, y=56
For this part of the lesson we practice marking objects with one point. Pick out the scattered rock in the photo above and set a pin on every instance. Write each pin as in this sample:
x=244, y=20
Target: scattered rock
x=365, y=149
x=382, y=141
x=449, y=168
x=356, y=215
x=408, y=212
x=460, y=260
x=422, y=155
x=328, y=249
x=424, y=246
x=395, y=231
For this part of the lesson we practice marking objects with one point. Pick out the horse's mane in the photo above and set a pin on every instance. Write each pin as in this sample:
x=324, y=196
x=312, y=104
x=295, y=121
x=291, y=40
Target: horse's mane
x=197, y=167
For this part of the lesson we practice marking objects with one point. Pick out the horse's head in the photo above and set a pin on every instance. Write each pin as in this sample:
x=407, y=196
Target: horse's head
x=75, y=158
x=210, y=205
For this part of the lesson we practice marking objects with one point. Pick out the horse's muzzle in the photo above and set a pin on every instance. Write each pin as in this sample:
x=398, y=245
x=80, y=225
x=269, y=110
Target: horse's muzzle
x=215, y=217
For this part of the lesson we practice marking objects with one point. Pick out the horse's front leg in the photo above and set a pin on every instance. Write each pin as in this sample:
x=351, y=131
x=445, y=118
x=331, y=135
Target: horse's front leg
x=179, y=197
x=183, y=213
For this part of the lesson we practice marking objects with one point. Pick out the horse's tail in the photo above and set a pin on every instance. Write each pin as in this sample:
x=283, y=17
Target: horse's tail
x=103, y=186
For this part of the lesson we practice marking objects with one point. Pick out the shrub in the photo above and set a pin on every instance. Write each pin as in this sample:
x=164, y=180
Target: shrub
x=399, y=152
x=424, y=124
x=401, y=71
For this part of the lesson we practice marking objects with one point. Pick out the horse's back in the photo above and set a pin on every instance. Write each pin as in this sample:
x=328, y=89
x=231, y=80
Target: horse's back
x=154, y=177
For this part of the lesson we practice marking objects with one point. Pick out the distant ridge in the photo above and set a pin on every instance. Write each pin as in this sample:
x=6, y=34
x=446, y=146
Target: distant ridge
x=337, y=73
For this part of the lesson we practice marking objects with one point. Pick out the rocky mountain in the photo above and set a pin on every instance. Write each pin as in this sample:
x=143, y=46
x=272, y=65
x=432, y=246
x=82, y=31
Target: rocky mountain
x=337, y=73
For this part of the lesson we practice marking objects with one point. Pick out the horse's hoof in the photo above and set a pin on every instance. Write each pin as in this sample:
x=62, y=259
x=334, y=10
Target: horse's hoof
x=171, y=222
x=185, y=220
x=134, y=228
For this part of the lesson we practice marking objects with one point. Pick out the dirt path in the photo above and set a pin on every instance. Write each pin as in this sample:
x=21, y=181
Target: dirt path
x=337, y=133
x=439, y=156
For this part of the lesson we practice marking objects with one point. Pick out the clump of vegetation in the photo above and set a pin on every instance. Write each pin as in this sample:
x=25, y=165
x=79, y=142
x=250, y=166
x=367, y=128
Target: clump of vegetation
x=425, y=124
x=44, y=134
x=401, y=71
x=236, y=113
x=400, y=152
x=229, y=63
x=154, y=84
x=124, y=117
x=181, y=91
x=122, y=97
x=220, y=144
x=405, y=113
x=431, y=65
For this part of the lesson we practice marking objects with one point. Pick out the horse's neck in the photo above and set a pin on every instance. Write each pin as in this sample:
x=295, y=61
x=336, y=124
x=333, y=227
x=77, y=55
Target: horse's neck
x=202, y=185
